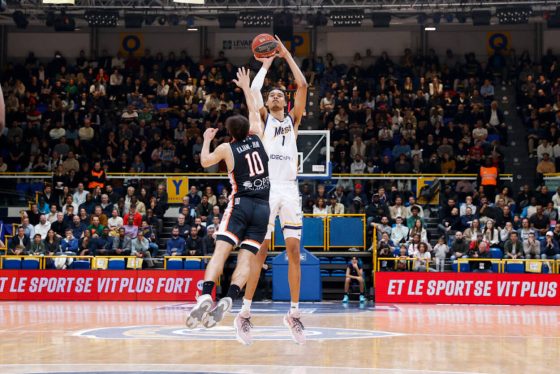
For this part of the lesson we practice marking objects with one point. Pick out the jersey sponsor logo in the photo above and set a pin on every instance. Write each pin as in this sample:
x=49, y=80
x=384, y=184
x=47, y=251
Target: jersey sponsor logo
x=282, y=130
x=257, y=184
x=280, y=157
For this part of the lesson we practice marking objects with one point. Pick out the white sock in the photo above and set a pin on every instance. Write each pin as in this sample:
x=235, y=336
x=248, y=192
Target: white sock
x=246, y=307
x=294, y=307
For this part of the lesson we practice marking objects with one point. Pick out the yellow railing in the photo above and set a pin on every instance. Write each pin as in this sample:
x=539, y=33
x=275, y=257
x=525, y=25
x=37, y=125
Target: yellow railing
x=42, y=259
x=408, y=261
x=93, y=260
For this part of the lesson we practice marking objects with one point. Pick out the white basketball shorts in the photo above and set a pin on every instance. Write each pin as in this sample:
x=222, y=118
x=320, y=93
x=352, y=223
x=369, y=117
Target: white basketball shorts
x=285, y=202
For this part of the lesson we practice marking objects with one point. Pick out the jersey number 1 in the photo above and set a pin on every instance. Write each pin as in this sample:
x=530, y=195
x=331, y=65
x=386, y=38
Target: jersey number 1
x=255, y=164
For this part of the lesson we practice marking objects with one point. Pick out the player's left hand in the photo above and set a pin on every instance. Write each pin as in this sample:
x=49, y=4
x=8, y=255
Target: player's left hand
x=243, y=80
x=210, y=133
x=282, y=50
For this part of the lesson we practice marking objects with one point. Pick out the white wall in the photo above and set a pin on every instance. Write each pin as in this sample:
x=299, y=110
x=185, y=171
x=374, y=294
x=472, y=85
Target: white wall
x=44, y=44
x=345, y=43
x=463, y=39
x=161, y=39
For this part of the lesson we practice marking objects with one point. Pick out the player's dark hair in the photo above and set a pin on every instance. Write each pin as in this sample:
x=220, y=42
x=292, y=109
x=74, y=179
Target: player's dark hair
x=275, y=89
x=238, y=127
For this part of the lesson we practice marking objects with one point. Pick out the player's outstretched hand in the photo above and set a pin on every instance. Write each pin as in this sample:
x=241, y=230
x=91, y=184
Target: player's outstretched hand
x=243, y=80
x=266, y=61
x=210, y=133
x=282, y=50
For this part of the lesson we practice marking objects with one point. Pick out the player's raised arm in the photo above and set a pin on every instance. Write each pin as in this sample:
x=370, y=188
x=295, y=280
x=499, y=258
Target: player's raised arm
x=301, y=92
x=208, y=158
x=258, y=81
x=243, y=81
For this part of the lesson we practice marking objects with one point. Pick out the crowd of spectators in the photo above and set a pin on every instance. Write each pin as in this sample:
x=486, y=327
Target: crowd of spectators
x=117, y=222
x=538, y=101
x=421, y=114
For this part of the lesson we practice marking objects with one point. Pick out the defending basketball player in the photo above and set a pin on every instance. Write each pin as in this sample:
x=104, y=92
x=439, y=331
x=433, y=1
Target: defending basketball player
x=245, y=219
x=279, y=134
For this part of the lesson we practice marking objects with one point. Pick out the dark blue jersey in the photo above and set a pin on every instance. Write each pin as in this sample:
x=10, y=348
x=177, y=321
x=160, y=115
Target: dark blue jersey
x=249, y=177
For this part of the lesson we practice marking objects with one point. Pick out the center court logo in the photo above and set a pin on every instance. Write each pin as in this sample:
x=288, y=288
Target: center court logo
x=264, y=333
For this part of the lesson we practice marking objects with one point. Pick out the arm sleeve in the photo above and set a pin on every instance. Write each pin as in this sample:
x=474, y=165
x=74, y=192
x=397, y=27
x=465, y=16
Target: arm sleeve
x=256, y=87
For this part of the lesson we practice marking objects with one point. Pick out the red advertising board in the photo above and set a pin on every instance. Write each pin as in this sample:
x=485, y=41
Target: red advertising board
x=94, y=285
x=467, y=288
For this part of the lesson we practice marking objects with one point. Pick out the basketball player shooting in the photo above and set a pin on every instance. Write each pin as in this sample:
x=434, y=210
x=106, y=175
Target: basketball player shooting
x=246, y=216
x=279, y=133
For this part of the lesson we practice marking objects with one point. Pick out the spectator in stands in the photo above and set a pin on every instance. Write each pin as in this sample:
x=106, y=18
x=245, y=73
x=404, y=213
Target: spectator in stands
x=532, y=247
x=59, y=225
x=419, y=229
x=399, y=232
x=95, y=228
x=423, y=258
x=506, y=232
x=52, y=214
x=20, y=243
x=549, y=248
x=490, y=234
x=43, y=227
x=204, y=209
x=320, y=208
x=136, y=217
x=513, y=248
x=539, y=222
x=29, y=229
x=34, y=214
x=130, y=229
x=140, y=247
x=209, y=241
x=80, y=196
x=467, y=219
x=37, y=247
x=122, y=244
x=451, y=223
x=150, y=235
x=414, y=216
x=194, y=198
x=335, y=207
x=482, y=251
x=114, y=223
x=460, y=247
x=52, y=243
x=83, y=244
x=101, y=245
x=176, y=244
x=467, y=204
x=194, y=244
x=398, y=209
x=440, y=253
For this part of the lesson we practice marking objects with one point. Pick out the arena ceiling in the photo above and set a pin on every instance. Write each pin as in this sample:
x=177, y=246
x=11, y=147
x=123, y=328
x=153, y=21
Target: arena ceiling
x=402, y=11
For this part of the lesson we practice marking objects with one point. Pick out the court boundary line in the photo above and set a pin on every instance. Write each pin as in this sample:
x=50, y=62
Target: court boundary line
x=219, y=366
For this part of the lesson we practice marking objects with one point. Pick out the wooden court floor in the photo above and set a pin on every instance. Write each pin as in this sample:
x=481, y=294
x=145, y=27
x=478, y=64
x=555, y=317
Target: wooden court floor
x=135, y=337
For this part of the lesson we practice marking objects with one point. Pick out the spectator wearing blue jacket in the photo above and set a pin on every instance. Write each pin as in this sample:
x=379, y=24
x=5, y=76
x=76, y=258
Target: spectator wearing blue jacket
x=549, y=247
x=69, y=244
x=175, y=245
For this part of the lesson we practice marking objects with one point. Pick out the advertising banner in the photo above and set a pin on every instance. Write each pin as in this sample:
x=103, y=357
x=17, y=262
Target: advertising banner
x=101, y=285
x=467, y=288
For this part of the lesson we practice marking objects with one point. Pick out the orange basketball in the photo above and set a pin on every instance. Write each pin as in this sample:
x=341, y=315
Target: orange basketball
x=264, y=45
